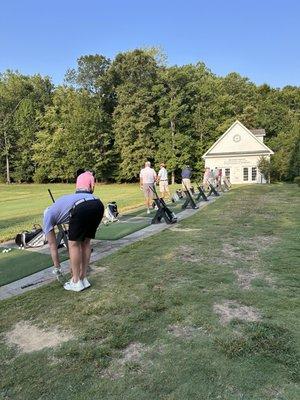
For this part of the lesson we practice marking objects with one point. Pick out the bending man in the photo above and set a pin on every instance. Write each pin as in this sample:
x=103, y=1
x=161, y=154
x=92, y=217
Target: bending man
x=83, y=212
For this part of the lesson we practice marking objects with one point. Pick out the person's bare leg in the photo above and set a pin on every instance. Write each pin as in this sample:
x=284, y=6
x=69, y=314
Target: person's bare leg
x=85, y=257
x=149, y=202
x=75, y=259
x=53, y=248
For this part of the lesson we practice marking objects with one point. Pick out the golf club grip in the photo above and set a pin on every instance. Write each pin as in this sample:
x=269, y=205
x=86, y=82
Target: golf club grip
x=49, y=191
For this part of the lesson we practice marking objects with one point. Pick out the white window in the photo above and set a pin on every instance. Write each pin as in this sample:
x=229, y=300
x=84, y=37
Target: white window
x=227, y=173
x=245, y=174
x=254, y=173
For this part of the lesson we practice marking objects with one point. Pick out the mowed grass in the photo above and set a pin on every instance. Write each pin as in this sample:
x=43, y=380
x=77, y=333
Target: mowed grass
x=21, y=206
x=19, y=263
x=206, y=310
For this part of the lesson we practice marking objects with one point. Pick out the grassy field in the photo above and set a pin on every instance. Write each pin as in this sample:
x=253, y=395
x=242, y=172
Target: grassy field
x=21, y=206
x=206, y=310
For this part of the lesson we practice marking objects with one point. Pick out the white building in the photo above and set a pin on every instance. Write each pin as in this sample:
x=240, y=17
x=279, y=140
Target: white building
x=237, y=152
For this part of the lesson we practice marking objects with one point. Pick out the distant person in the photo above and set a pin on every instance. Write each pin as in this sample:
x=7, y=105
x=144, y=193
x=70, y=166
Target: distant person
x=206, y=178
x=147, y=180
x=85, y=181
x=219, y=178
x=212, y=177
x=162, y=179
x=83, y=212
x=186, y=174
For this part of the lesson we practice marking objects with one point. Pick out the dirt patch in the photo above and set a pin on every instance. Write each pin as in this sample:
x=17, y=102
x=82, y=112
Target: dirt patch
x=185, y=332
x=100, y=269
x=230, y=251
x=229, y=310
x=131, y=355
x=187, y=253
x=30, y=338
x=273, y=392
x=246, y=277
x=248, y=249
x=264, y=241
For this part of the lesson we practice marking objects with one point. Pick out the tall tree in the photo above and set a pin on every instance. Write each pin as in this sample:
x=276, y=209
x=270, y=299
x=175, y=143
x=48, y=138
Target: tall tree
x=22, y=98
x=74, y=134
x=134, y=75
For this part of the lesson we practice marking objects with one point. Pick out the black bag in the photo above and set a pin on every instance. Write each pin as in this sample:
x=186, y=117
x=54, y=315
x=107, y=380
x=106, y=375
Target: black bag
x=34, y=238
x=179, y=193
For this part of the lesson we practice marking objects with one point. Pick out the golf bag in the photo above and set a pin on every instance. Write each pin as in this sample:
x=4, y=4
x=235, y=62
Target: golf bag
x=180, y=193
x=175, y=198
x=111, y=212
x=34, y=238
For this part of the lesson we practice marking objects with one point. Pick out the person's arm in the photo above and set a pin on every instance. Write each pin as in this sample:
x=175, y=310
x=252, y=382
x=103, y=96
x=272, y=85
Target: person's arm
x=141, y=180
x=53, y=248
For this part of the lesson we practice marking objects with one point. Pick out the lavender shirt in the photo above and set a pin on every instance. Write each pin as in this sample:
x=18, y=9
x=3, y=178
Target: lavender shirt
x=59, y=212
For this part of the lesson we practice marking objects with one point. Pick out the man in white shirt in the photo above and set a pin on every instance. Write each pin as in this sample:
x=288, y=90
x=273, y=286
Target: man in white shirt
x=162, y=178
x=147, y=179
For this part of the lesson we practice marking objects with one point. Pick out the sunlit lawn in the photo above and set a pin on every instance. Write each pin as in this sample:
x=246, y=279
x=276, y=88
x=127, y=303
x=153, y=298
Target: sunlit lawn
x=207, y=310
x=21, y=206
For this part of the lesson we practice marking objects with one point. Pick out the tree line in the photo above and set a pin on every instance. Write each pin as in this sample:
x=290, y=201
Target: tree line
x=110, y=116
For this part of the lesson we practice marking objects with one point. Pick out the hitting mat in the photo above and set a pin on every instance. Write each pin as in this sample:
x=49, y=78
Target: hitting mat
x=117, y=230
x=130, y=222
x=20, y=263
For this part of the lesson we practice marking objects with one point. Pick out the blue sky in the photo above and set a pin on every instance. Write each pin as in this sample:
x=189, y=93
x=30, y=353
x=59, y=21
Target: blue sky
x=258, y=39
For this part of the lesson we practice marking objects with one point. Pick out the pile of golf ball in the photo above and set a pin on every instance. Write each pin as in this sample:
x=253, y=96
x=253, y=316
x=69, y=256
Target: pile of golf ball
x=6, y=250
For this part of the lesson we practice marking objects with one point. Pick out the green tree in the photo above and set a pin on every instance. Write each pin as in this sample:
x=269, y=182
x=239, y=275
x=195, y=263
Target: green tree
x=22, y=98
x=134, y=76
x=286, y=158
x=74, y=134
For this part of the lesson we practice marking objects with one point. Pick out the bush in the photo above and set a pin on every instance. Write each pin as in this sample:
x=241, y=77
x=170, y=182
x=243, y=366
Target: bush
x=297, y=180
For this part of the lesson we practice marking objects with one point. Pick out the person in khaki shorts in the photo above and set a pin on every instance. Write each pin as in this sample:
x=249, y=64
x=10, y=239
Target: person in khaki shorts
x=186, y=177
x=147, y=180
x=162, y=179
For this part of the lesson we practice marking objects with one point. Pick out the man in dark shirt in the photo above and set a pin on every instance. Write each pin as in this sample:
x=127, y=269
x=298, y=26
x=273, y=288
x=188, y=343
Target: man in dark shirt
x=186, y=177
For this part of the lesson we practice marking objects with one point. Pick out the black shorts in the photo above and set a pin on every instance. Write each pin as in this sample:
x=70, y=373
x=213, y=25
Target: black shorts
x=85, y=219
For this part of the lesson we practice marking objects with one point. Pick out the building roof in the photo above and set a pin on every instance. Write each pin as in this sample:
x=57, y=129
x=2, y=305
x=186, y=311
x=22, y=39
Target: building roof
x=258, y=132
x=261, y=148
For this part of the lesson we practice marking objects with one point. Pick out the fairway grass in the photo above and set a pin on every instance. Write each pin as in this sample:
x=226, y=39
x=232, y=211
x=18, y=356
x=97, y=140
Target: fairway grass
x=208, y=309
x=23, y=205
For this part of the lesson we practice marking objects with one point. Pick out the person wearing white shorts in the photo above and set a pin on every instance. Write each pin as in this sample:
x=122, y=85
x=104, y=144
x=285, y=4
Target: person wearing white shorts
x=162, y=179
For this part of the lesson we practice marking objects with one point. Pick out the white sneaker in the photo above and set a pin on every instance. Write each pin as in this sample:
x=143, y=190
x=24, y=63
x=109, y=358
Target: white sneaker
x=85, y=283
x=148, y=211
x=75, y=287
